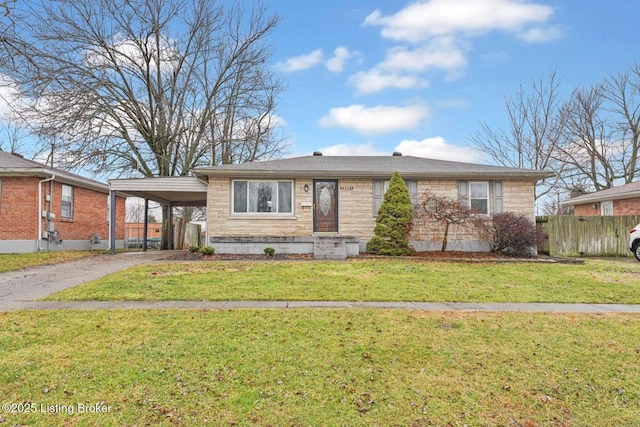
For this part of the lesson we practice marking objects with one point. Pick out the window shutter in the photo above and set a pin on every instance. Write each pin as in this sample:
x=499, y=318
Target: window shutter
x=463, y=192
x=412, y=186
x=378, y=193
x=497, y=196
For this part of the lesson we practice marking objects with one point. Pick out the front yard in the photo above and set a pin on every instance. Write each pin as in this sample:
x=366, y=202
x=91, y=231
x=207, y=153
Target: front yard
x=301, y=367
x=370, y=280
x=319, y=367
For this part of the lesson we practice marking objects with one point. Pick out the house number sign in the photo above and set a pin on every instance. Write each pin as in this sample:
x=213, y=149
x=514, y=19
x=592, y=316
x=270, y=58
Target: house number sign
x=346, y=187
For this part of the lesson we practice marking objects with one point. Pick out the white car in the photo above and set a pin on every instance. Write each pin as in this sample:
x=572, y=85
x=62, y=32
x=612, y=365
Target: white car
x=634, y=241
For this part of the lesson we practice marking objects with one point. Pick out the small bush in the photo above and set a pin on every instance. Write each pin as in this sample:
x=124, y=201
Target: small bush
x=513, y=234
x=194, y=249
x=207, y=250
x=269, y=252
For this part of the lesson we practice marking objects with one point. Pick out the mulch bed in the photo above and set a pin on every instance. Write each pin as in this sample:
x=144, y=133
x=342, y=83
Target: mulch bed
x=431, y=255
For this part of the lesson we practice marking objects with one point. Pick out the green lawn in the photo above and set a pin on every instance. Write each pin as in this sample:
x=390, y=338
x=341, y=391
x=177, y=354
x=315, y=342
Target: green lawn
x=9, y=262
x=320, y=367
x=370, y=280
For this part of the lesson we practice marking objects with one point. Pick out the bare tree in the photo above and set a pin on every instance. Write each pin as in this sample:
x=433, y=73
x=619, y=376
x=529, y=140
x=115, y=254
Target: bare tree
x=587, y=149
x=134, y=86
x=11, y=139
x=535, y=128
x=135, y=213
x=623, y=93
x=139, y=87
x=443, y=210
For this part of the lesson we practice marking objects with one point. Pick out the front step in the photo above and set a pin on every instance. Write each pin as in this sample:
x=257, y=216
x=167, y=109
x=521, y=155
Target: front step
x=329, y=247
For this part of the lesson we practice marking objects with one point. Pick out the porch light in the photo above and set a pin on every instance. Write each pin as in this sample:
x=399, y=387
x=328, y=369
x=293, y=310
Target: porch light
x=306, y=188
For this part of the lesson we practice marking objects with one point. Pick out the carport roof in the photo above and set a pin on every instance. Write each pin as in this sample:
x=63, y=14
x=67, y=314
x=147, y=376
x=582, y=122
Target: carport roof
x=175, y=190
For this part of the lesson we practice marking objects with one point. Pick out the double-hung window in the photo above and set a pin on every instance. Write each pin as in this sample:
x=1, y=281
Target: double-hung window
x=380, y=187
x=66, y=207
x=483, y=197
x=263, y=197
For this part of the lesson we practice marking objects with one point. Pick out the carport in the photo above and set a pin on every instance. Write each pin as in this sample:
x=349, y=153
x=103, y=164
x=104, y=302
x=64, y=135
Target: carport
x=168, y=191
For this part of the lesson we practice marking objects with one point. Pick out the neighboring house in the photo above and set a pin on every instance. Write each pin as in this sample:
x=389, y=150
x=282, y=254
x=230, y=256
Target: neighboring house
x=301, y=204
x=616, y=201
x=43, y=208
x=134, y=234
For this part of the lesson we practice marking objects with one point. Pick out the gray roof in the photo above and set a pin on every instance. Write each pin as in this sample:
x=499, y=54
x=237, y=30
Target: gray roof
x=16, y=165
x=369, y=167
x=626, y=191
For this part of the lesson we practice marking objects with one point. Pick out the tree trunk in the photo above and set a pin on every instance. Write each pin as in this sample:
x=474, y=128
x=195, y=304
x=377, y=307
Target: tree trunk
x=446, y=237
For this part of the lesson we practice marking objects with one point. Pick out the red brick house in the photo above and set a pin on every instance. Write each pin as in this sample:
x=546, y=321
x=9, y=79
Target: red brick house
x=43, y=208
x=617, y=201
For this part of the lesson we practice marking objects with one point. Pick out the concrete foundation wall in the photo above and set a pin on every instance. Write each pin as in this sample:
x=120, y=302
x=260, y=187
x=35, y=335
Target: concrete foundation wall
x=283, y=245
x=26, y=246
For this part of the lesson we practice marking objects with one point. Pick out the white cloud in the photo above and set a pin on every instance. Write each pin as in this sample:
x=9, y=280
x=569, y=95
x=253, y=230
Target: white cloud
x=541, y=35
x=302, y=62
x=438, y=35
x=9, y=94
x=366, y=149
x=438, y=148
x=425, y=19
x=340, y=57
x=442, y=52
x=374, y=80
x=374, y=120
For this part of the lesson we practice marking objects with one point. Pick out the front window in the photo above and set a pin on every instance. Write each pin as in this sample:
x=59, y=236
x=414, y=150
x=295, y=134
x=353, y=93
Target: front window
x=479, y=197
x=606, y=208
x=66, y=208
x=380, y=187
x=262, y=196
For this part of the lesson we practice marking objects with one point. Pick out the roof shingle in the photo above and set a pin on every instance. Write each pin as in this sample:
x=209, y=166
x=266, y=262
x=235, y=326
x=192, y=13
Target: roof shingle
x=369, y=166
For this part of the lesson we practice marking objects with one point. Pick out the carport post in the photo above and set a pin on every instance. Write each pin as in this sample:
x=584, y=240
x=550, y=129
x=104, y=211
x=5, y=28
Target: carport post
x=170, y=227
x=112, y=222
x=145, y=223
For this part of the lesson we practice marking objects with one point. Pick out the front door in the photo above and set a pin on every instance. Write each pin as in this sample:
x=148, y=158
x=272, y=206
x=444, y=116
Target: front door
x=325, y=206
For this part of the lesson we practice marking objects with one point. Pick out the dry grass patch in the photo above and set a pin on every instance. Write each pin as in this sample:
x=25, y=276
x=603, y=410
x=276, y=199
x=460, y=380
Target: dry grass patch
x=9, y=262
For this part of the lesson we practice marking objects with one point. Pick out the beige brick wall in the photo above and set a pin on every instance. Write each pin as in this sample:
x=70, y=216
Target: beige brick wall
x=355, y=215
x=355, y=206
x=220, y=221
x=518, y=197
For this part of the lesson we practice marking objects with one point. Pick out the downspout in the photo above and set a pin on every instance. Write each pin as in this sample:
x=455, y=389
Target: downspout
x=39, y=238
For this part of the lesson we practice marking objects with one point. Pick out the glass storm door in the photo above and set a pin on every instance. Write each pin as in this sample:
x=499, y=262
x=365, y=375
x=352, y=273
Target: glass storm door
x=325, y=206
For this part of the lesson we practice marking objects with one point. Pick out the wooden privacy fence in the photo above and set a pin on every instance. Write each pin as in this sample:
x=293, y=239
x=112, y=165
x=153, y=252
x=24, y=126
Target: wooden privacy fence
x=570, y=235
x=185, y=234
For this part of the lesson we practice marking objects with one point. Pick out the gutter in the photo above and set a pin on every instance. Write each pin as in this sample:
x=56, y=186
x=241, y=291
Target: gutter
x=39, y=239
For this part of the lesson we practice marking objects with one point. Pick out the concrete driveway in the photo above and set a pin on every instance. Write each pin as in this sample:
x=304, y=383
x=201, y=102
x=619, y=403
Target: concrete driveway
x=21, y=287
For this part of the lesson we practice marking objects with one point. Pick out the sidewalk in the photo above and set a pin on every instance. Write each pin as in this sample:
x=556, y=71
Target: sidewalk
x=425, y=306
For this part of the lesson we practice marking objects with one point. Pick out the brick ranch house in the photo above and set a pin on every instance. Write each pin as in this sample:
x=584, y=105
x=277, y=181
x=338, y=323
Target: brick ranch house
x=326, y=205
x=616, y=201
x=43, y=208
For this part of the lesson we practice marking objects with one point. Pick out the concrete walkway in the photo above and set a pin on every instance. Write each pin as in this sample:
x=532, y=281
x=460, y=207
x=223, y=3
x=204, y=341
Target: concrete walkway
x=20, y=290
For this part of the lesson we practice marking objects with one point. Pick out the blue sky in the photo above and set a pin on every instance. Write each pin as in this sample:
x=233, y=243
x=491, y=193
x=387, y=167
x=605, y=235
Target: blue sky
x=368, y=77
